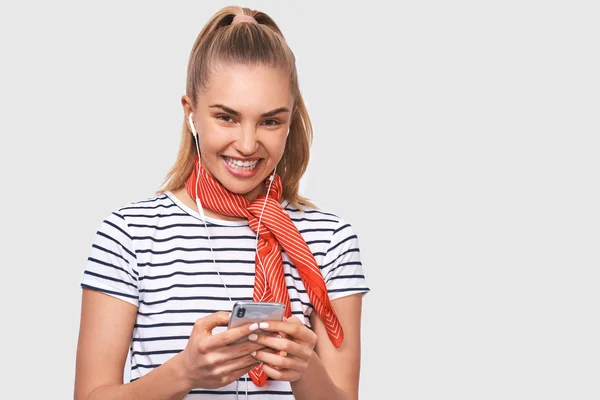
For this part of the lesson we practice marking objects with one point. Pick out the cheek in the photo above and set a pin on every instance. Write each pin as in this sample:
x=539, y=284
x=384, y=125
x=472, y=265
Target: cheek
x=212, y=137
x=275, y=149
x=282, y=145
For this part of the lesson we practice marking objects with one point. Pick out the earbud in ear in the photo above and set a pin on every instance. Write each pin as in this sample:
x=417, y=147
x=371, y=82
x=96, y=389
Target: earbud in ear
x=192, y=125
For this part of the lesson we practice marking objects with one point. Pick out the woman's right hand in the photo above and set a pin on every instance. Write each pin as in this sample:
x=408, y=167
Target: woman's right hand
x=212, y=361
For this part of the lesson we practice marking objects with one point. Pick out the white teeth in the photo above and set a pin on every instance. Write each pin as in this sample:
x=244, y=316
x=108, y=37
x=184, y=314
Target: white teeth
x=242, y=165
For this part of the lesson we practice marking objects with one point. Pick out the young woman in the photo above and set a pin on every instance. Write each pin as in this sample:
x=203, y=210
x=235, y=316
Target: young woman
x=229, y=225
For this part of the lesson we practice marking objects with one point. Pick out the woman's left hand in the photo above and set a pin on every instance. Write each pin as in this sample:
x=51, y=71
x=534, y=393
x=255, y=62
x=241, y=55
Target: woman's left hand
x=294, y=348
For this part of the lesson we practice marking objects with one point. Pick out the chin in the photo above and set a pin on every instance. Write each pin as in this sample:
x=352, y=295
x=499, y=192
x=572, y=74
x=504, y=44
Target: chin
x=240, y=187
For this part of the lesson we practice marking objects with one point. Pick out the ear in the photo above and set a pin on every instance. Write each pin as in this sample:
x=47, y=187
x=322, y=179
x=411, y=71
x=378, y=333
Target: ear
x=188, y=108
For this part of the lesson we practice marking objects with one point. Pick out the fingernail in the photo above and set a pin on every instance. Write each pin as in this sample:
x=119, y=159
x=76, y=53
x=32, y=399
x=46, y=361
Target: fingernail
x=253, y=354
x=254, y=326
x=252, y=337
x=264, y=325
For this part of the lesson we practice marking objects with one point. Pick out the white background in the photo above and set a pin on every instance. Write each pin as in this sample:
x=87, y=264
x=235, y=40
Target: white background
x=459, y=138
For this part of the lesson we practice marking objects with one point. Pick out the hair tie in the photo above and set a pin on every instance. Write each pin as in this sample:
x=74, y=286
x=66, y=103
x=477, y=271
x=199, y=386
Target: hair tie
x=241, y=18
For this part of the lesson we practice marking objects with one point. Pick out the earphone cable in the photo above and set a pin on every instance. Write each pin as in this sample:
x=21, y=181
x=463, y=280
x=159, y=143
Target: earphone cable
x=201, y=211
x=262, y=267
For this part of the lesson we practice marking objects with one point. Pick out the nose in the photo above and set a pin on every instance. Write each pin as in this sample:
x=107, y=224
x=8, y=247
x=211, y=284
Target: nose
x=247, y=143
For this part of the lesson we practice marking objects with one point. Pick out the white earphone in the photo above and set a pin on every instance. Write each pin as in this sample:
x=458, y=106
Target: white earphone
x=191, y=121
x=195, y=134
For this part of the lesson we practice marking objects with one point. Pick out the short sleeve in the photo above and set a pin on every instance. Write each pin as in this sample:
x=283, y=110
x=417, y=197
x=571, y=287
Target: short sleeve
x=342, y=268
x=112, y=267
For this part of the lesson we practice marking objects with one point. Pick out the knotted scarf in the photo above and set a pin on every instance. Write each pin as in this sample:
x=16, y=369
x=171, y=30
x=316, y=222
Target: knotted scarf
x=277, y=231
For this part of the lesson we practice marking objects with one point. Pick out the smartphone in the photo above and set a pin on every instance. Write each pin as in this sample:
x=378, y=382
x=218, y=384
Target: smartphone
x=255, y=311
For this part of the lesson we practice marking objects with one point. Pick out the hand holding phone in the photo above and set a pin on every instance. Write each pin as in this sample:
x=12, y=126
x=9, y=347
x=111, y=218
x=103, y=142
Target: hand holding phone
x=210, y=360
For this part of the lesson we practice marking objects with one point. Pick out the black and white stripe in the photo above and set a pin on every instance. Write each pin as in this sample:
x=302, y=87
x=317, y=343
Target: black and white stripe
x=155, y=254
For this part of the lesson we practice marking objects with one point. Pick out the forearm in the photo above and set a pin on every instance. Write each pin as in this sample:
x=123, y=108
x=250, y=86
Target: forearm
x=165, y=382
x=316, y=384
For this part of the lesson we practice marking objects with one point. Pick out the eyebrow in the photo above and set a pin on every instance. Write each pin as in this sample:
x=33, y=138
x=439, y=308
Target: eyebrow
x=237, y=113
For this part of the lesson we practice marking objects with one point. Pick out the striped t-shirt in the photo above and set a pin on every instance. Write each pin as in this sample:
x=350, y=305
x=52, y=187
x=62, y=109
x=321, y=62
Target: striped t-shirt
x=156, y=255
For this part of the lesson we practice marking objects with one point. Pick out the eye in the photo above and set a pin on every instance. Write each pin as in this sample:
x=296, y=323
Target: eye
x=225, y=118
x=271, y=122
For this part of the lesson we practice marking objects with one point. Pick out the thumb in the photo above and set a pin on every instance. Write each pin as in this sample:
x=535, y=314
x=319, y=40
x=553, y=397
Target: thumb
x=206, y=324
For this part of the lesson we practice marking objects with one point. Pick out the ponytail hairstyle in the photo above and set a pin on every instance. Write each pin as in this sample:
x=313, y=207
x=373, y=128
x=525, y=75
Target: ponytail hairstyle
x=219, y=42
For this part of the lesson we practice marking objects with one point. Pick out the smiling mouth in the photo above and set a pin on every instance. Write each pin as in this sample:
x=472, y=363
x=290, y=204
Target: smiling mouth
x=241, y=165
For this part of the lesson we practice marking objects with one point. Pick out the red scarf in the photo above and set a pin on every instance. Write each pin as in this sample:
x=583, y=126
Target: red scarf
x=277, y=231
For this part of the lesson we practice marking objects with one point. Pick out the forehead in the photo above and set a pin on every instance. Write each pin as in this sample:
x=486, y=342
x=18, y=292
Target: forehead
x=248, y=88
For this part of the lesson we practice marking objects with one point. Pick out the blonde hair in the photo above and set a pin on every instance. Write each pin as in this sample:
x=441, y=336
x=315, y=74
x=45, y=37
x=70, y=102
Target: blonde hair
x=219, y=42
